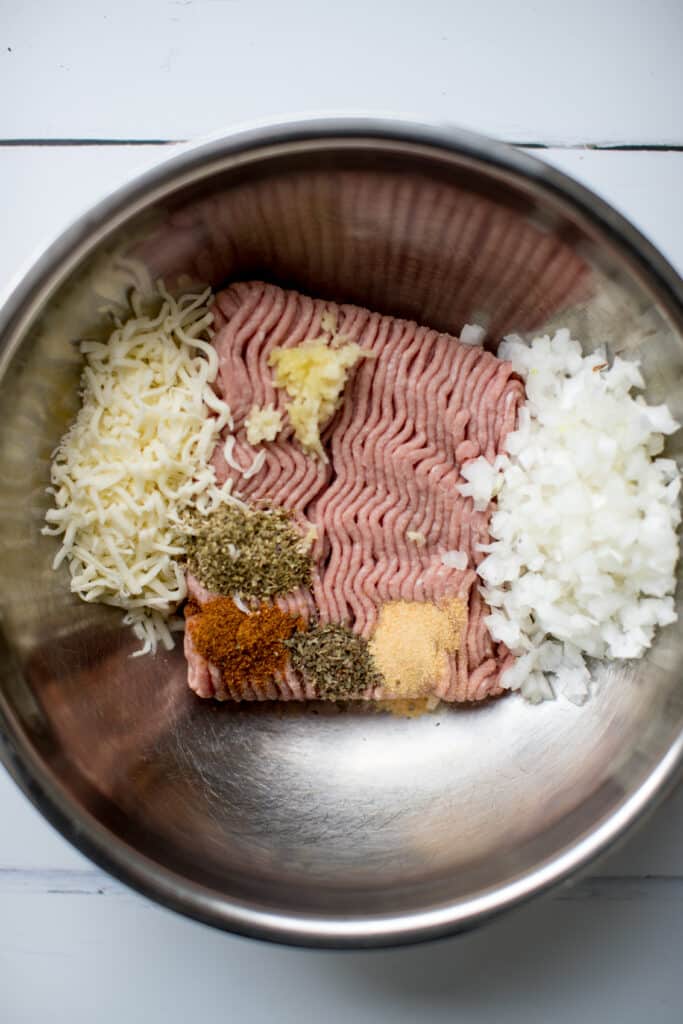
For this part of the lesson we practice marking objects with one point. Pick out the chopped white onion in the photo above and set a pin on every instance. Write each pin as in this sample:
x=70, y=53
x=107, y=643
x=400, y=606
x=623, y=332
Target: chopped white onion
x=584, y=533
x=455, y=559
x=472, y=334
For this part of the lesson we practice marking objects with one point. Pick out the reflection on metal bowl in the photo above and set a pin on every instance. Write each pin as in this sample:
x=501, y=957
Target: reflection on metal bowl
x=320, y=825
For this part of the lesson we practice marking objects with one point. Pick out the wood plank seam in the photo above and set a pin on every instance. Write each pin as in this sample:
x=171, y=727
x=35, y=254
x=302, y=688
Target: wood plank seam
x=612, y=147
x=91, y=882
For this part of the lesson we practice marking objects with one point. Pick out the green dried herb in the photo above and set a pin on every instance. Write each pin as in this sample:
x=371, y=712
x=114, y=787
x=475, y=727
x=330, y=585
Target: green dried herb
x=256, y=553
x=335, y=660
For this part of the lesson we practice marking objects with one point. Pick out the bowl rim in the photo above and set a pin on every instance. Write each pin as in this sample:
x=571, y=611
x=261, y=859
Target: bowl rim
x=42, y=787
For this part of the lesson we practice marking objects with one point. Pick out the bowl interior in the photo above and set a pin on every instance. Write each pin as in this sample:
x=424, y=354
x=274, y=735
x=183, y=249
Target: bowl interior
x=323, y=813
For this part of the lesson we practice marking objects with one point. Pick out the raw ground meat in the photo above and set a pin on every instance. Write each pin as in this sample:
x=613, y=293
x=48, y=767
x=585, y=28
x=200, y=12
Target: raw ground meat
x=410, y=417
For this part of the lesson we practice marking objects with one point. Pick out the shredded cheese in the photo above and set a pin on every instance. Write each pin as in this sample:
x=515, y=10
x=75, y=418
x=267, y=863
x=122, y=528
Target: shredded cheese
x=136, y=458
x=256, y=464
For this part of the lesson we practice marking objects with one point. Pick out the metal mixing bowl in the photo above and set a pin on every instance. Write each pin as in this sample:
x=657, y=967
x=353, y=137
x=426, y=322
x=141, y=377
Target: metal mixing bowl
x=317, y=825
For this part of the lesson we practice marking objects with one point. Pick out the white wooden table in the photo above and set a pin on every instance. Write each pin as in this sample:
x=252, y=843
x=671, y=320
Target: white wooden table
x=92, y=92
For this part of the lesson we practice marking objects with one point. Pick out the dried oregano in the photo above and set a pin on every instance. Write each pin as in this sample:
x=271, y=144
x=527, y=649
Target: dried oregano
x=335, y=660
x=252, y=552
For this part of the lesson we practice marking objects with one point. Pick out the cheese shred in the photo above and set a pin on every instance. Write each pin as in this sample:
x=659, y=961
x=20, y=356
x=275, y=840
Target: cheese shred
x=136, y=458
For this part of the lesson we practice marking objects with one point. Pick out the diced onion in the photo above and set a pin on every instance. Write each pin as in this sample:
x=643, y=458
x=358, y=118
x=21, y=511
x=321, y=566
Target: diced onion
x=584, y=533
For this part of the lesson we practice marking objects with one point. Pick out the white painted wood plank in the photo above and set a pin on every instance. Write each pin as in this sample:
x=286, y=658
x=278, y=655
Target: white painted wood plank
x=26, y=839
x=73, y=177
x=175, y=69
x=600, y=954
x=645, y=187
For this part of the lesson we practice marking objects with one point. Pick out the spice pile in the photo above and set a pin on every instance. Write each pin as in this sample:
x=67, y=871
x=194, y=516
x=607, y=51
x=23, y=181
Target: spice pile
x=249, y=552
x=412, y=642
x=365, y=426
x=336, y=661
x=247, y=648
x=246, y=558
x=146, y=519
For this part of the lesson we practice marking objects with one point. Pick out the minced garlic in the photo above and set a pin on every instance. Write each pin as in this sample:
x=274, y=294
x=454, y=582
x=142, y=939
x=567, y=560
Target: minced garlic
x=417, y=537
x=412, y=641
x=263, y=423
x=328, y=322
x=314, y=375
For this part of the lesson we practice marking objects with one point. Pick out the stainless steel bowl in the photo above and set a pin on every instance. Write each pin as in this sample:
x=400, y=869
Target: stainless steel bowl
x=316, y=825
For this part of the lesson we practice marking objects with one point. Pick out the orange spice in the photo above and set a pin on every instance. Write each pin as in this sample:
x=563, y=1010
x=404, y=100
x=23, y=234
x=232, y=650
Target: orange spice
x=246, y=648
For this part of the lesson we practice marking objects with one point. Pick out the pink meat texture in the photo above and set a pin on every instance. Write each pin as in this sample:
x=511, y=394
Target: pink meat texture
x=411, y=416
x=380, y=239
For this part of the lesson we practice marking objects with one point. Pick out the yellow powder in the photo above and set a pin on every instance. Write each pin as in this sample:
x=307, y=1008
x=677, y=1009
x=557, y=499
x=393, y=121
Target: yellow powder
x=412, y=642
x=405, y=707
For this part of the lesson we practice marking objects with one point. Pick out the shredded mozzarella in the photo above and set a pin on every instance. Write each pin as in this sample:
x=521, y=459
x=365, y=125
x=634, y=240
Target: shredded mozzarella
x=255, y=466
x=136, y=458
